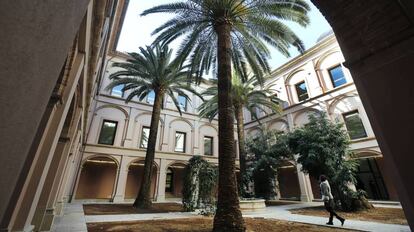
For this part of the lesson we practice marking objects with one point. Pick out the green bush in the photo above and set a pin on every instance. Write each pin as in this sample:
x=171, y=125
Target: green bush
x=323, y=148
x=270, y=150
x=200, y=184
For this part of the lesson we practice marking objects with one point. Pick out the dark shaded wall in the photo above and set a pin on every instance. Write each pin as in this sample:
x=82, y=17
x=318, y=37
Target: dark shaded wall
x=288, y=183
x=34, y=41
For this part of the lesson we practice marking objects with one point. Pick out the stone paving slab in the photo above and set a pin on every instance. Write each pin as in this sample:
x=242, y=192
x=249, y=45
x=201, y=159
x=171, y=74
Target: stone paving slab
x=139, y=217
x=73, y=219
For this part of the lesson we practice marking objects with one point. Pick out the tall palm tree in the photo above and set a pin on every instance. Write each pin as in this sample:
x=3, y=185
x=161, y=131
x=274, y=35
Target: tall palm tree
x=152, y=70
x=245, y=95
x=217, y=34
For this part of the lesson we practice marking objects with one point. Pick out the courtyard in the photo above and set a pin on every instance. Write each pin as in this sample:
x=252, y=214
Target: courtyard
x=287, y=216
x=206, y=115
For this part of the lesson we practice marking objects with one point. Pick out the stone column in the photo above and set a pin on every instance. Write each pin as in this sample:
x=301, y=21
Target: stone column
x=162, y=175
x=278, y=194
x=306, y=194
x=122, y=180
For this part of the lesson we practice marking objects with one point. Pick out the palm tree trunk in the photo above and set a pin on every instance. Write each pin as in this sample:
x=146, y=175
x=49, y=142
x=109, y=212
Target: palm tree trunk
x=244, y=178
x=143, y=199
x=228, y=217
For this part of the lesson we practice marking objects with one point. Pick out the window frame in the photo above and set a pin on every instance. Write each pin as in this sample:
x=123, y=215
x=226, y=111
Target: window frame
x=114, y=134
x=212, y=145
x=184, y=143
x=344, y=116
x=331, y=77
x=142, y=133
x=297, y=93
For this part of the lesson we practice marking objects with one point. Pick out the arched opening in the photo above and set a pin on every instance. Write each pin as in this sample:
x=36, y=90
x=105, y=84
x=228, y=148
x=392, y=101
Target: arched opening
x=373, y=179
x=174, y=180
x=97, y=178
x=288, y=182
x=134, y=179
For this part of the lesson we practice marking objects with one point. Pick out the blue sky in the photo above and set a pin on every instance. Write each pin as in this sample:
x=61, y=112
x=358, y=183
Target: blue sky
x=136, y=31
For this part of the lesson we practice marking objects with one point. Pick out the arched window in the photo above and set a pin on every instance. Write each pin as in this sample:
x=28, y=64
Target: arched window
x=169, y=187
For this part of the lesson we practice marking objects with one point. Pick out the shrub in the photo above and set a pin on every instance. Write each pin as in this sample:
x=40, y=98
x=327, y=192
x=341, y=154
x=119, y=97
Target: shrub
x=200, y=184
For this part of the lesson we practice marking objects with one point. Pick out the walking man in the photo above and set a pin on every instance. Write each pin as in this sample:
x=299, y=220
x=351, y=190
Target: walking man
x=328, y=200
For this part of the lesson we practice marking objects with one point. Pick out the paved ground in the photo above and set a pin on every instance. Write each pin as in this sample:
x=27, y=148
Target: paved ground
x=282, y=213
x=72, y=219
x=75, y=220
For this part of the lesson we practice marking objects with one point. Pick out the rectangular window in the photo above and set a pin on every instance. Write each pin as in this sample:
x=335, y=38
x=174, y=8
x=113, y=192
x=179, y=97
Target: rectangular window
x=208, y=145
x=302, y=91
x=180, y=142
x=144, y=137
x=182, y=102
x=337, y=76
x=108, y=131
x=354, y=125
x=151, y=97
x=117, y=91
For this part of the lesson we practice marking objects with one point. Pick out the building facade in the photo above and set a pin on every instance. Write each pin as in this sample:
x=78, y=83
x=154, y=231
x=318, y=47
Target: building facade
x=316, y=82
x=34, y=194
x=112, y=163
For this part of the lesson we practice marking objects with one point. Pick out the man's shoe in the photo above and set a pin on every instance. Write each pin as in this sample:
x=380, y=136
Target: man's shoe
x=329, y=223
x=342, y=221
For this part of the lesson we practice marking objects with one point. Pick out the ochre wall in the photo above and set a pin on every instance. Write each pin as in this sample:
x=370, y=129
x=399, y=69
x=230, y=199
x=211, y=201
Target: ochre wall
x=288, y=183
x=178, y=181
x=96, y=181
x=316, y=190
x=134, y=181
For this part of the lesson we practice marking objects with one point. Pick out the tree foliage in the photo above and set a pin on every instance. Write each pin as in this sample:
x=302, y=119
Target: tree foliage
x=246, y=95
x=255, y=24
x=323, y=149
x=226, y=35
x=270, y=149
x=152, y=70
x=200, y=183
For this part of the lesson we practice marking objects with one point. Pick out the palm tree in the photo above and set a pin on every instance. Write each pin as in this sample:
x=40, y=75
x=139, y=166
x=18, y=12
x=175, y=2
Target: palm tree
x=217, y=34
x=246, y=95
x=152, y=70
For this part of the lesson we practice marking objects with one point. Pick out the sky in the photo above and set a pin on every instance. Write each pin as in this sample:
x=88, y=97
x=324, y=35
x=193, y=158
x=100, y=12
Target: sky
x=136, y=31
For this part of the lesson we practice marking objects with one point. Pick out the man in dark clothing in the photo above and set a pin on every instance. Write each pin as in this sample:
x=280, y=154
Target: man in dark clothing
x=328, y=200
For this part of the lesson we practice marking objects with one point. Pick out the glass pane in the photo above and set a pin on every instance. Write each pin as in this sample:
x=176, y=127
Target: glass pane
x=169, y=181
x=117, y=91
x=302, y=91
x=151, y=97
x=337, y=76
x=108, y=131
x=354, y=125
x=144, y=137
x=180, y=142
x=253, y=114
x=208, y=146
x=182, y=101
